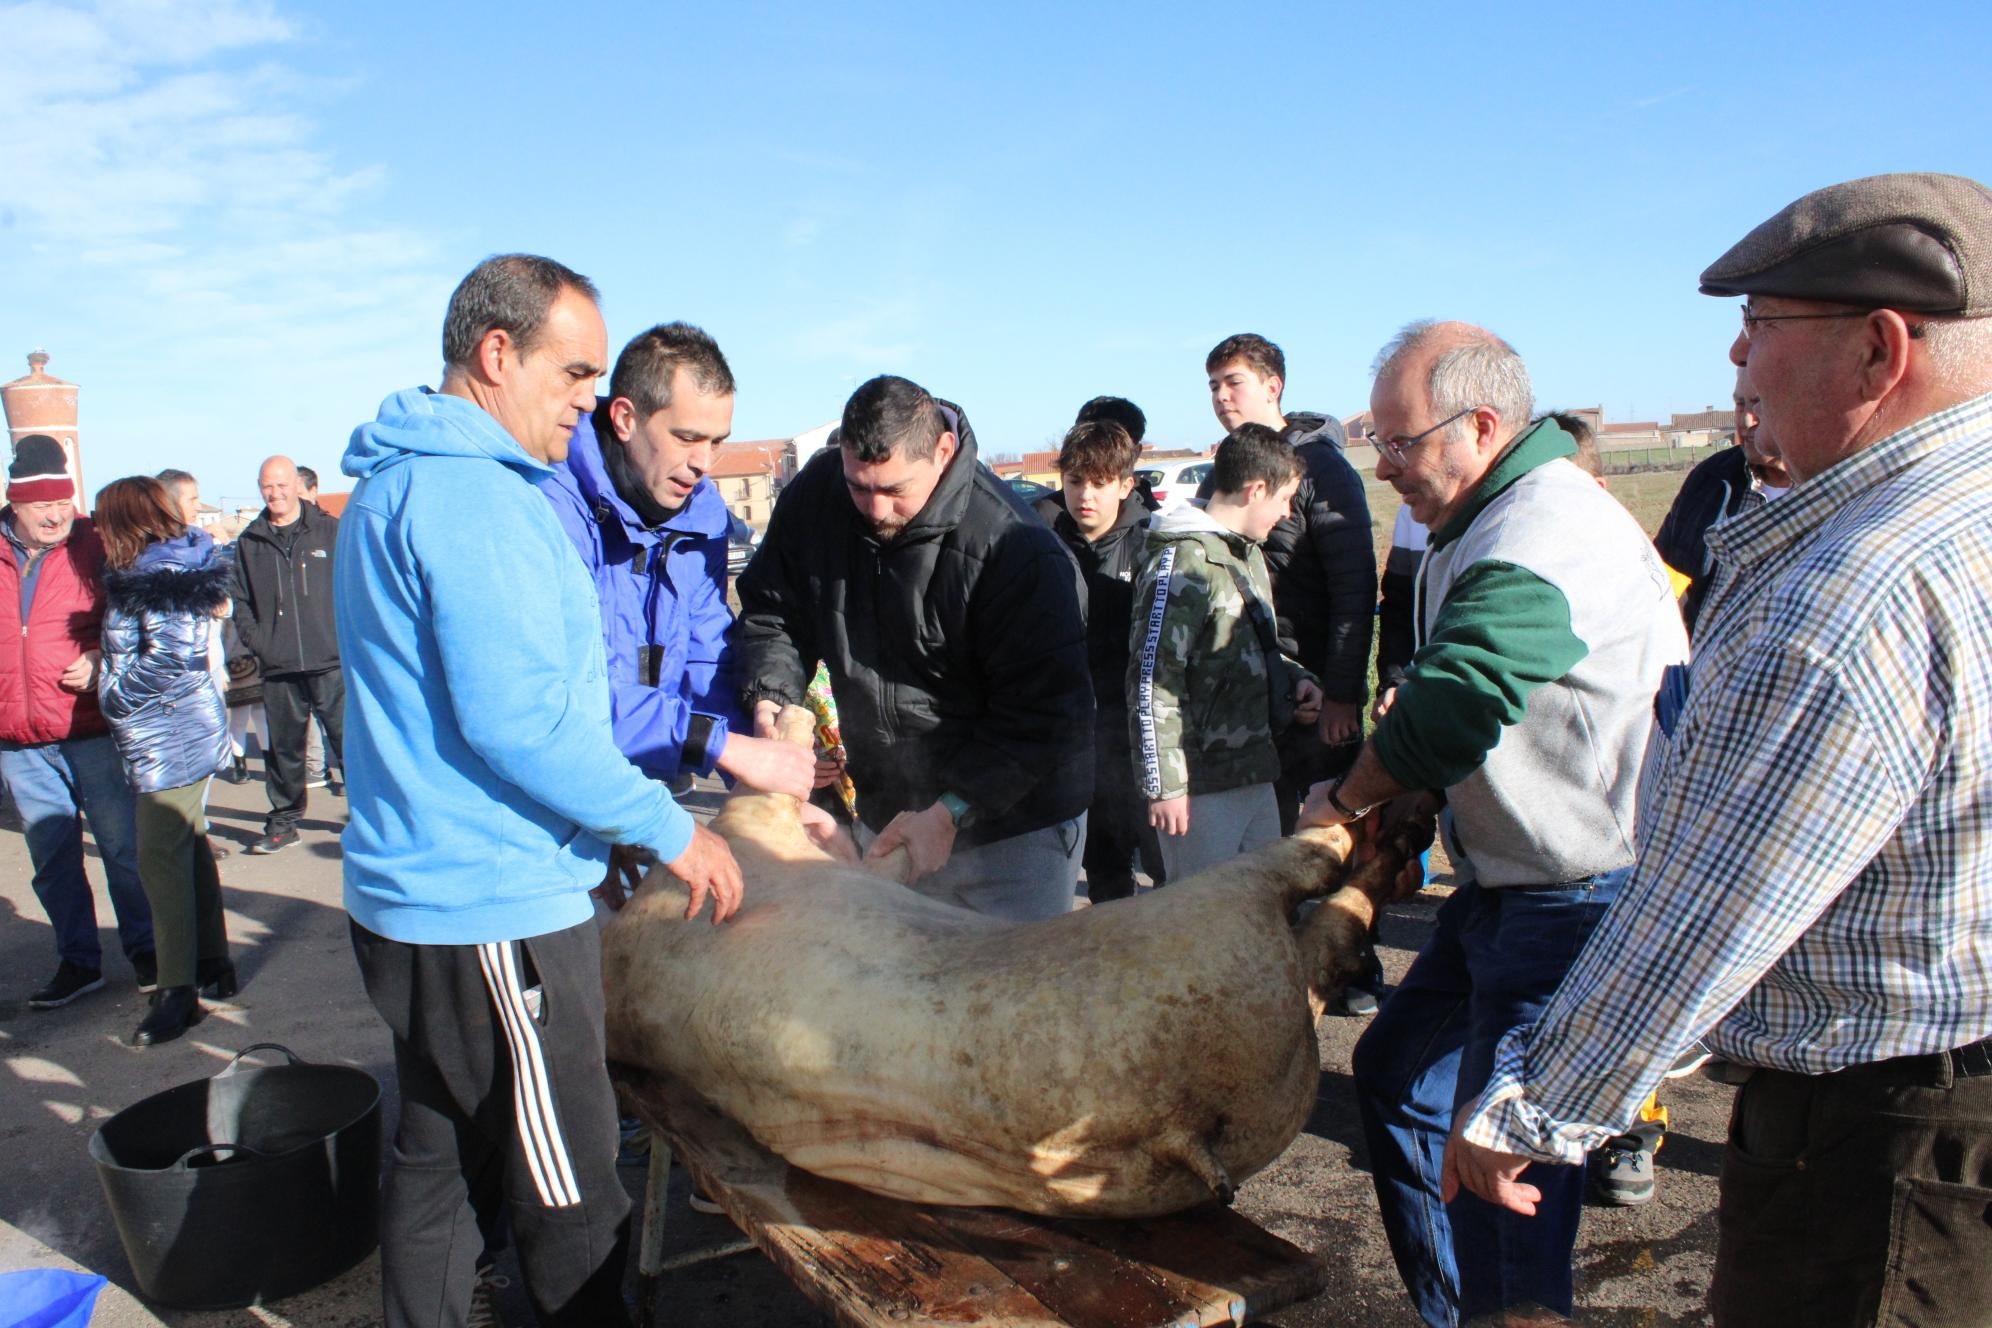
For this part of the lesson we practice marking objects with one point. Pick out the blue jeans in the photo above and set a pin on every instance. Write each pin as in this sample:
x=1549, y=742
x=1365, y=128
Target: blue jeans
x=1492, y=963
x=50, y=784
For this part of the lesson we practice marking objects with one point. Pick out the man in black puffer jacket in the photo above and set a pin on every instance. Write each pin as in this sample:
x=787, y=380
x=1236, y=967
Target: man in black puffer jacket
x=953, y=625
x=1321, y=559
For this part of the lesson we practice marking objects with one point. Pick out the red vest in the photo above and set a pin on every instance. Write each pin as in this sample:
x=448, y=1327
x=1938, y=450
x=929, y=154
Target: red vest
x=66, y=619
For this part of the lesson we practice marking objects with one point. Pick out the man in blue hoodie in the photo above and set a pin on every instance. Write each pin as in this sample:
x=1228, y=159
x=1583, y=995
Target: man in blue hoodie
x=651, y=529
x=485, y=788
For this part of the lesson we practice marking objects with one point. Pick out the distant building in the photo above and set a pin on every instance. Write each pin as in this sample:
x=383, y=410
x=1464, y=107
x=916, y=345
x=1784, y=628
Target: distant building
x=747, y=475
x=43, y=403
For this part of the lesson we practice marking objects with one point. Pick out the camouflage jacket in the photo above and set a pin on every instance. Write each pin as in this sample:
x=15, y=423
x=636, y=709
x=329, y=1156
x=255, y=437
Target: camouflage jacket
x=1207, y=687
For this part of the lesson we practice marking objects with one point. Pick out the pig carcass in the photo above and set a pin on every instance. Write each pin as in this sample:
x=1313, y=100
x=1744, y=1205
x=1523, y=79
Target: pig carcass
x=1125, y=1060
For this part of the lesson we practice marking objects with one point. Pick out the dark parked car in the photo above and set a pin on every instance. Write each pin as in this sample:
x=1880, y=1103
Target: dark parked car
x=1030, y=490
x=741, y=541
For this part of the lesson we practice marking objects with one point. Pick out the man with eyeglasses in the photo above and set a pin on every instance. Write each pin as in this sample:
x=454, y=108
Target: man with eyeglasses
x=1814, y=892
x=1545, y=622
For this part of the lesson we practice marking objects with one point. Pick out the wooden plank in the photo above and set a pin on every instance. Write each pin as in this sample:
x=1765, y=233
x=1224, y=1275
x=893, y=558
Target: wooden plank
x=874, y=1262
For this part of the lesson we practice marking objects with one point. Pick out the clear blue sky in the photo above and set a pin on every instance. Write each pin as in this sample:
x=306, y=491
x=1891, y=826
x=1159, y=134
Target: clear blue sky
x=237, y=223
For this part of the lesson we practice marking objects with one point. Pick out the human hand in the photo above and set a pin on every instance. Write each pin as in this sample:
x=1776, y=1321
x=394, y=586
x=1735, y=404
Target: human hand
x=1493, y=1175
x=829, y=768
x=1383, y=703
x=1341, y=721
x=625, y=870
x=1306, y=701
x=81, y=675
x=707, y=866
x=768, y=764
x=928, y=837
x=766, y=713
x=1170, y=816
x=1316, y=810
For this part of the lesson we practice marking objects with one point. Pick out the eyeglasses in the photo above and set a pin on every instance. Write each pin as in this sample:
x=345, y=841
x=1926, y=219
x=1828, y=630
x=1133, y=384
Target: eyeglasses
x=1396, y=451
x=1751, y=318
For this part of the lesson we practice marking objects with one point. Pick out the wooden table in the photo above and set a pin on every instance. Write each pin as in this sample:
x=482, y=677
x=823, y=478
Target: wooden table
x=874, y=1262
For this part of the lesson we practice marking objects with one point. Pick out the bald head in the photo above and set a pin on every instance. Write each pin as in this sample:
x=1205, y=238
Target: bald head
x=278, y=482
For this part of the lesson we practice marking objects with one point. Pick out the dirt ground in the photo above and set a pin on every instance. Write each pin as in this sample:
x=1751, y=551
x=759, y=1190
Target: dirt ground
x=67, y=1070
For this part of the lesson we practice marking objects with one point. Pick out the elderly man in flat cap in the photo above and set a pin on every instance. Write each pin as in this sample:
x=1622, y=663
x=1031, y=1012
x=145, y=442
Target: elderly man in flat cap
x=1813, y=896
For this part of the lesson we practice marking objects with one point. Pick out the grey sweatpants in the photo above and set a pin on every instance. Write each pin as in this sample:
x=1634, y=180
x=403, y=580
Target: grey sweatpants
x=1022, y=878
x=1222, y=825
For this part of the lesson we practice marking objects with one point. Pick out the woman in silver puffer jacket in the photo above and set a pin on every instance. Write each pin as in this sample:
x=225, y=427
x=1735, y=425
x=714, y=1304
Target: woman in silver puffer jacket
x=165, y=586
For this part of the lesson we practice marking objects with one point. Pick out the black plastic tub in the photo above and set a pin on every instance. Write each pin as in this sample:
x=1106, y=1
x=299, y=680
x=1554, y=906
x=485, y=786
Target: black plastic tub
x=256, y=1184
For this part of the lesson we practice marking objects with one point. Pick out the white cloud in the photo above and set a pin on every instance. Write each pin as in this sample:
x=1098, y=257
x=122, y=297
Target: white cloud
x=171, y=199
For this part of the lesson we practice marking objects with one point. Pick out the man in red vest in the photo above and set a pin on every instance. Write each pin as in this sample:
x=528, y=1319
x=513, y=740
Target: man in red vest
x=57, y=757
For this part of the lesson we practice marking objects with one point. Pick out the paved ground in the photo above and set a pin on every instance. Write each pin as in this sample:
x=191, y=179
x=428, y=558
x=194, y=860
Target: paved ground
x=61, y=1072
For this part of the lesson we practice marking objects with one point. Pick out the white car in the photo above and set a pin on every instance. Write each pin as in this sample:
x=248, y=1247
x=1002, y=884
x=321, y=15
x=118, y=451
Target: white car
x=1175, y=483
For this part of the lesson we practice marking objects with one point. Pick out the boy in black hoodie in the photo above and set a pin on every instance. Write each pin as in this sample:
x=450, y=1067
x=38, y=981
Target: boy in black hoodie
x=1099, y=513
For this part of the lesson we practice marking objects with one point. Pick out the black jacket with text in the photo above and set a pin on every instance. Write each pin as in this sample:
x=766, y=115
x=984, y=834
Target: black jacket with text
x=956, y=649
x=283, y=592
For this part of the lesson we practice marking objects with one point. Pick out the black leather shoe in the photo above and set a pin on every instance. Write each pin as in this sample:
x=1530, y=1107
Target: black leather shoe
x=174, y=1011
x=216, y=979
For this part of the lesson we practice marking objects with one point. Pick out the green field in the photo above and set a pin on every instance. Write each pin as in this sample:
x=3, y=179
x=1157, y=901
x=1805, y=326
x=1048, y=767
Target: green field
x=1647, y=495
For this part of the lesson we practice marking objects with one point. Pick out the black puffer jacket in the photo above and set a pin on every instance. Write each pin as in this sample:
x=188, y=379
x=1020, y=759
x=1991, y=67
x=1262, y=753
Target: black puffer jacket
x=1110, y=565
x=283, y=592
x=1323, y=563
x=957, y=649
x=1716, y=488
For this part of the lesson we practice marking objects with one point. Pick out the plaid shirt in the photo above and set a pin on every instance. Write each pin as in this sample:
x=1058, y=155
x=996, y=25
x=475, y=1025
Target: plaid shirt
x=1814, y=886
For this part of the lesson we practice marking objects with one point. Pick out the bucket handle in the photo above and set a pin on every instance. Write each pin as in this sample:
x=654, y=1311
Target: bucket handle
x=187, y=1158
x=253, y=1047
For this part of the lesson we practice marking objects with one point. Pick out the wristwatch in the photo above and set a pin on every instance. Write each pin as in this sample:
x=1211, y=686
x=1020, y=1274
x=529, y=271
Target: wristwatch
x=1335, y=801
x=958, y=809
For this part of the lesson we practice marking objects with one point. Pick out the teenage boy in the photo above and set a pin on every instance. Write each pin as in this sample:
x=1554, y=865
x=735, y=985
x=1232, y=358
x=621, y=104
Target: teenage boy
x=1204, y=644
x=1099, y=516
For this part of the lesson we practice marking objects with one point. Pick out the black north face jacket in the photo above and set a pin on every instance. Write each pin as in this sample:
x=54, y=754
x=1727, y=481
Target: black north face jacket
x=957, y=649
x=283, y=592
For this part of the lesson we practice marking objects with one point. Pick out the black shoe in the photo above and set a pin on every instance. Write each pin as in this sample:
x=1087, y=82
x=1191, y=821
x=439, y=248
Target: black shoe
x=335, y=783
x=274, y=841
x=145, y=967
x=68, y=983
x=216, y=979
x=174, y=1011
x=237, y=772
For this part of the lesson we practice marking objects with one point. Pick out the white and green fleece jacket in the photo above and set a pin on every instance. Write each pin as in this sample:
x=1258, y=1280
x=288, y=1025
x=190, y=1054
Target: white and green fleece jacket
x=1545, y=621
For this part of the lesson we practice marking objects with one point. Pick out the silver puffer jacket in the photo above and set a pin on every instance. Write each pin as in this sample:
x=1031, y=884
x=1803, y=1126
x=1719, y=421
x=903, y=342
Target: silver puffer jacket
x=165, y=710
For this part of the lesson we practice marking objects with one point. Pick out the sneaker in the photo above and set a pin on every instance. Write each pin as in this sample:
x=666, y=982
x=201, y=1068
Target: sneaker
x=1688, y=1062
x=1620, y=1174
x=145, y=967
x=68, y=983
x=484, y=1299
x=274, y=841
x=702, y=1202
x=314, y=781
x=1358, y=1002
x=335, y=783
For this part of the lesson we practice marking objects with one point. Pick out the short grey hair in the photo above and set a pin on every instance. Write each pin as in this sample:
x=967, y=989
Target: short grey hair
x=1482, y=370
x=511, y=292
x=1960, y=351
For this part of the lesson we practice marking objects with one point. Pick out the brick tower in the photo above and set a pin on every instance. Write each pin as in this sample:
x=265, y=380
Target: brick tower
x=40, y=403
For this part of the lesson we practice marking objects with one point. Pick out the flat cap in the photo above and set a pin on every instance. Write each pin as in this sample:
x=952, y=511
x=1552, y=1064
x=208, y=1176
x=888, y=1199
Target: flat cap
x=1918, y=242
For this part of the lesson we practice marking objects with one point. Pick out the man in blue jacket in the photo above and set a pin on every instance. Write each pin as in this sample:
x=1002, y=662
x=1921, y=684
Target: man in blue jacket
x=485, y=788
x=634, y=498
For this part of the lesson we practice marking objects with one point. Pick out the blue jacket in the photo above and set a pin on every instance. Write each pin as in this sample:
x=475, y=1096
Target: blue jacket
x=664, y=615
x=155, y=689
x=481, y=771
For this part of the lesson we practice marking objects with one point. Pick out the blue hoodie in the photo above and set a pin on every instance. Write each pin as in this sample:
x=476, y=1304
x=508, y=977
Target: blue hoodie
x=481, y=768
x=663, y=594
